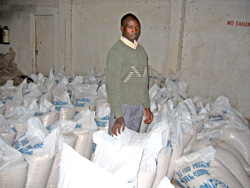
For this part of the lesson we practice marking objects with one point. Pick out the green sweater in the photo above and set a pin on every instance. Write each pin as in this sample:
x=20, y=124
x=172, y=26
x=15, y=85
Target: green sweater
x=126, y=77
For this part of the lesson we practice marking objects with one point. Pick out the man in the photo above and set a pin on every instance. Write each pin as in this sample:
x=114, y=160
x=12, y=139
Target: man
x=127, y=79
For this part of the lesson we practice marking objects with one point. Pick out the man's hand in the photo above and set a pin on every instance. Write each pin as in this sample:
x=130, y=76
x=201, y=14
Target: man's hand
x=119, y=124
x=149, y=116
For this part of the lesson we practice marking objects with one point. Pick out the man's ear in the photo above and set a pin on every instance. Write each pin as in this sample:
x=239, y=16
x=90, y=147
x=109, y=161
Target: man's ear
x=122, y=28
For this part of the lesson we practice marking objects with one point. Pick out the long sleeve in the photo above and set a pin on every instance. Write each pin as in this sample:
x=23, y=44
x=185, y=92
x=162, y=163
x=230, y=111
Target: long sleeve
x=147, y=98
x=113, y=77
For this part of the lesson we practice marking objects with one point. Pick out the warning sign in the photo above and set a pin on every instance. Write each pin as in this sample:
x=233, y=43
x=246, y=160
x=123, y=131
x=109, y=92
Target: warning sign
x=238, y=23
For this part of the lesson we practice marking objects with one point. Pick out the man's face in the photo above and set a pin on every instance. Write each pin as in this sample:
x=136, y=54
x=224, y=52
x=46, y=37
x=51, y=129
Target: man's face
x=131, y=29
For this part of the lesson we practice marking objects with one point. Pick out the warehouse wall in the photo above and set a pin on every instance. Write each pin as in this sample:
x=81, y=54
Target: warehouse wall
x=207, y=40
x=216, y=51
x=96, y=26
x=19, y=17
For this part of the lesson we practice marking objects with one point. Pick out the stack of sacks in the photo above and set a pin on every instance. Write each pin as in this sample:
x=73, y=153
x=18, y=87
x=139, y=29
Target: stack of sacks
x=203, y=122
x=220, y=126
x=85, y=91
x=190, y=125
x=180, y=124
x=35, y=114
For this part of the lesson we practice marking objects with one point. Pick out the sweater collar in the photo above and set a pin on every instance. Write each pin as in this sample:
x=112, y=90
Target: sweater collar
x=129, y=43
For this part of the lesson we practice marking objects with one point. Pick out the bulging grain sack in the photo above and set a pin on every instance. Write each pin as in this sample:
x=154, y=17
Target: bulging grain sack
x=13, y=166
x=152, y=142
x=61, y=100
x=234, y=134
x=164, y=156
x=49, y=118
x=19, y=117
x=16, y=100
x=47, y=112
x=235, y=152
x=229, y=160
x=33, y=92
x=6, y=131
x=39, y=149
x=67, y=136
x=199, y=169
x=177, y=145
x=163, y=161
x=84, y=95
x=78, y=172
x=66, y=112
x=85, y=127
x=102, y=117
x=122, y=160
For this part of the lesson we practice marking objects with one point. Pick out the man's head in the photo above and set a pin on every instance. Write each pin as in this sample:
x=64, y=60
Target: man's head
x=130, y=27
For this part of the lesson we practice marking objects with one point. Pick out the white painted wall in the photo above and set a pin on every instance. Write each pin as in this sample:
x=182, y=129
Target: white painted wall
x=189, y=35
x=96, y=27
x=19, y=17
x=215, y=55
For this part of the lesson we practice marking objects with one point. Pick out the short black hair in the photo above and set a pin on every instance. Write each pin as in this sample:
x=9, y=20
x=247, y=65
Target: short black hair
x=128, y=15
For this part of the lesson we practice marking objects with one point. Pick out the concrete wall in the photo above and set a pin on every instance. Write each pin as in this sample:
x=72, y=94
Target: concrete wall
x=216, y=50
x=203, y=39
x=19, y=17
x=96, y=26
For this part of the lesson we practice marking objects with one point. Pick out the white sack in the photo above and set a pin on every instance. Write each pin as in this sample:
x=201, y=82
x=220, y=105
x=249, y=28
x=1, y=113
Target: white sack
x=197, y=169
x=163, y=161
x=102, y=118
x=39, y=149
x=165, y=183
x=67, y=136
x=78, y=172
x=84, y=94
x=123, y=161
x=6, y=131
x=13, y=166
x=33, y=92
x=235, y=134
x=152, y=143
x=229, y=160
x=235, y=152
x=85, y=127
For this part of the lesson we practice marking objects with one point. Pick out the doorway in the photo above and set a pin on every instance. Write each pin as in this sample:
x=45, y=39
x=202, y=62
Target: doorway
x=44, y=44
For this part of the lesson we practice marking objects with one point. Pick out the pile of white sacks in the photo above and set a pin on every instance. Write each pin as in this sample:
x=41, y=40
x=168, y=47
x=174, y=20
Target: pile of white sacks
x=54, y=134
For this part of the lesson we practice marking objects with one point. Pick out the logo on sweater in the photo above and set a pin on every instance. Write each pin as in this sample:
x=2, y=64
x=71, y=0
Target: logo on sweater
x=135, y=70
